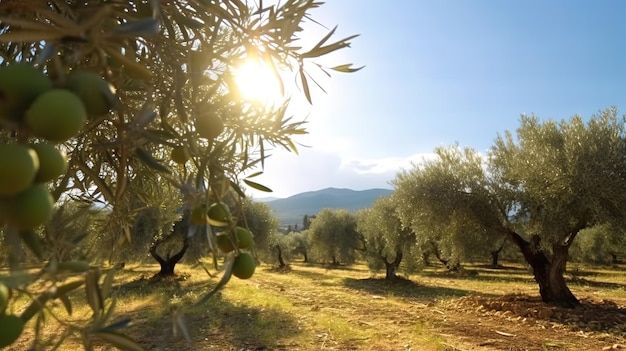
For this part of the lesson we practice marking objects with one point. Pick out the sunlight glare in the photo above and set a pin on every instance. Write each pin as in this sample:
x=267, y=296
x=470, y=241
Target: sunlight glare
x=257, y=82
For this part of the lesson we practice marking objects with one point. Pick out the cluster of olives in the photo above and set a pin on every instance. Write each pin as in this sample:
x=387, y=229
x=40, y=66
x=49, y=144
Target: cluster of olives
x=36, y=108
x=240, y=239
x=11, y=325
x=208, y=125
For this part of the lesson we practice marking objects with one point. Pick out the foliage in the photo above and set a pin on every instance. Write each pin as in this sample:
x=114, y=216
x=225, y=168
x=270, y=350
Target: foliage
x=387, y=241
x=259, y=218
x=601, y=244
x=448, y=202
x=333, y=236
x=170, y=64
x=299, y=244
x=539, y=189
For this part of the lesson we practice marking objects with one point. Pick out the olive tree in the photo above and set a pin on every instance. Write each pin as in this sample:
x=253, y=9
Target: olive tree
x=387, y=240
x=600, y=244
x=259, y=218
x=540, y=189
x=333, y=236
x=164, y=85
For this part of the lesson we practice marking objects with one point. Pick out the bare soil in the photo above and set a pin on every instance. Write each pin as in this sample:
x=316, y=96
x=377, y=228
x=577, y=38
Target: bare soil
x=312, y=308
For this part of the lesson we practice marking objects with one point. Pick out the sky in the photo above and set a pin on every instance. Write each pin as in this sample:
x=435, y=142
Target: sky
x=441, y=72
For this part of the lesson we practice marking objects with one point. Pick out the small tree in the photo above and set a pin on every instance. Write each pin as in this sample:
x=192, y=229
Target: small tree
x=299, y=245
x=387, y=241
x=601, y=244
x=333, y=236
x=172, y=247
x=260, y=220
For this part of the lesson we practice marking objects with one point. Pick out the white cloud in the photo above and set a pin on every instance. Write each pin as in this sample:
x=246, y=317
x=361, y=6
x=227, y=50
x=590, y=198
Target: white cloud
x=384, y=165
x=287, y=174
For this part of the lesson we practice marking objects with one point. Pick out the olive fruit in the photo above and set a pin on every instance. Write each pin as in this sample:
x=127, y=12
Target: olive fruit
x=244, y=266
x=20, y=85
x=179, y=155
x=52, y=162
x=11, y=327
x=199, y=215
x=219, y=216
x=209, y=125
x=18, y=170
x=56, y=115
x=97, y=94
x=32, y=207
x=244, y=240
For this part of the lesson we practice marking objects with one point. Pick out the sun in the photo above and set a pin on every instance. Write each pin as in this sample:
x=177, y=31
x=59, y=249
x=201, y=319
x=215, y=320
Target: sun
x=257, y=82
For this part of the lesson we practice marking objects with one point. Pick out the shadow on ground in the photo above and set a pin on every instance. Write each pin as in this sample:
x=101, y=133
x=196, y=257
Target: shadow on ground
x=318, y=278
x=401, y=287
x=590, y=315
x=218, y=324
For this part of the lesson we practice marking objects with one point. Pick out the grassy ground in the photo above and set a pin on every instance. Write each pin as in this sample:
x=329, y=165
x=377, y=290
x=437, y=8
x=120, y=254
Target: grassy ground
x=309, y=307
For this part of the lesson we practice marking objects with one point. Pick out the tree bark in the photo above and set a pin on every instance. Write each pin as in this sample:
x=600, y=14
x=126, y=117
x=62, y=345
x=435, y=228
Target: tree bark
x=495, y=255
x=392, y=267
x=494, y=259
x=168, y=263
x=452, y=267
x=548, y=272
x=281, y=262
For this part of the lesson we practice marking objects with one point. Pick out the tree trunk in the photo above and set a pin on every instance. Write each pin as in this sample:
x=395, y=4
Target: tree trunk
x=306, y=258
x=392, y=267
x=548, y=272
x=281, y=262
x=167, y=264
x=494, y=259
x=450, y=265
x=495, y=255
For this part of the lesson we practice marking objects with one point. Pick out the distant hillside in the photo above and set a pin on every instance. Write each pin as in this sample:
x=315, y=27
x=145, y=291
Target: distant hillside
x=291, y=210
x=266, y=199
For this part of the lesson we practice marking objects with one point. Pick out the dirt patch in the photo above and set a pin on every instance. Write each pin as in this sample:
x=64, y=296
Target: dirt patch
x=522, y=322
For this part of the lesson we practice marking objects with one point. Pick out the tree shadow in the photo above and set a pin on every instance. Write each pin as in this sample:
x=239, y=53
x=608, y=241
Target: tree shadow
x=217, y=324
x=503, y=276
x=321, y=279
x=583, y=282
x=501, y=268
x=591, y=315
x=402, y=287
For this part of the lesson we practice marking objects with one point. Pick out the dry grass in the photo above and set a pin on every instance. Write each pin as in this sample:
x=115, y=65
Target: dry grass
x=310, y=307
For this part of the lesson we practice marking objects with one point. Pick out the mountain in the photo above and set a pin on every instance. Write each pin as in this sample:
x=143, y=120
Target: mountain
x=265, y=199
x=291, y=210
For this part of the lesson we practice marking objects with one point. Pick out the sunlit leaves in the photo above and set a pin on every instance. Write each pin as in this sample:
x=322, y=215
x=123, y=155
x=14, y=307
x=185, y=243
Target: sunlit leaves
x=167, y=61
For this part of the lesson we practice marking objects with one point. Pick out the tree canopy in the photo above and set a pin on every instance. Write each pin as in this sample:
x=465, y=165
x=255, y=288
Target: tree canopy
x=540, y=188
x=151, y=85
x=333, y=236
x=387, y=240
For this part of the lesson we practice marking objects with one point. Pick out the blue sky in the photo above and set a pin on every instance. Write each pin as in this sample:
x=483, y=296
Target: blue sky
x=439, y=72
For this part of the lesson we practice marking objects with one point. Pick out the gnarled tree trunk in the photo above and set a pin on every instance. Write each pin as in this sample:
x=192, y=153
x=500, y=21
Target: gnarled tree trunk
x=451, y=265
x=281, y=261
x=391, y=267
x=495, y=255
x=548, y=271
x=168, y=262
